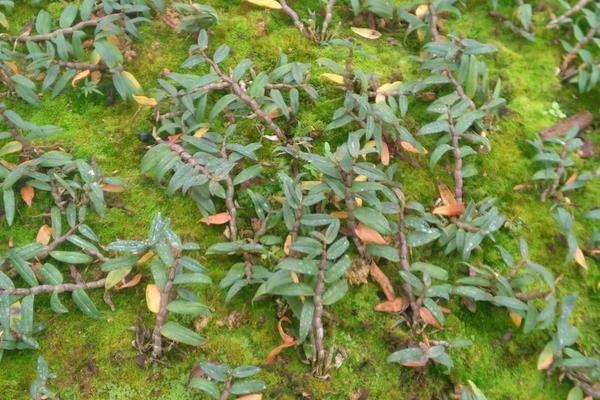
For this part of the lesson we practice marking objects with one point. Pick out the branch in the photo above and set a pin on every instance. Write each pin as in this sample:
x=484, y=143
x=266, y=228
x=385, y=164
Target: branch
x=349, y=200
x=438, y=38
x=570, y=56
x=80, y=66
x=162, y=311
x=241, y=93
x=227, y=389
x=576, y=8
x=65, y=287
x=64, y=31
x=229, y=200
x=458, y=178
x=405, y=261
x=56, y=242
x=317, y=321
x=560, y=170
x=327, y=19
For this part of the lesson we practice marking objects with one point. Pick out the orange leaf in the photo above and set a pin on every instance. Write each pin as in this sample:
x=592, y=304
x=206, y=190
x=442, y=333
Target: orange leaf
x=450, y=210
x=287, y=244
x=368, y=235
x=571, y=179
x=446, y=194
x=145, y=101
x=516, y=318
x=392, y=306
x=200, y=132
x=428, y=317
x=43, y=235
x=131, y=283
x=580, y=258
x=27, y=194
x=384, y=156
x=110, y=188
x=383, y=281
x=545, y=359
x=81, y=75
x=339, y=214
x=409, y=147
x=256, y=396
x=288, y=341
x=145, y=258
x=217, y=219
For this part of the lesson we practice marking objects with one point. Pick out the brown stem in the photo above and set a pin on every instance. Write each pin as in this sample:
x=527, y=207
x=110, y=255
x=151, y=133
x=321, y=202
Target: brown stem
x=241, y=93
x=438, y=38
x=458, y=178
x=80, y=66
x=64, y=31
x=65, y=287
x=560, y=170
x=162, y=311
x=327, y=19
x=227, y=389
x=576, y=8
x=317, y=321
x=510, y=25
x=56, y=242
x=573, y=53
x=229, y=199
x=405, y=261
x=349, y=200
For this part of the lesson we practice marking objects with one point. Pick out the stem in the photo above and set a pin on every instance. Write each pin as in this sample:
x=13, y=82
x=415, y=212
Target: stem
x=573, y=53
x=64, y=31
x=317, y=321
x=245, y=98
x=162, y=311
x=405, y=261
x=229, y=200
x=349, y=200
x=57, y=242
x=576, y=8
x=458, y=178
x=560, y=170
x=327, y=19
x=80, y=66
x=227, y=389
x=438, y=38
x=65, y=287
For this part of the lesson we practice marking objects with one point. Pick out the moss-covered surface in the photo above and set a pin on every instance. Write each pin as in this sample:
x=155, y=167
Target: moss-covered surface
x=95, y=359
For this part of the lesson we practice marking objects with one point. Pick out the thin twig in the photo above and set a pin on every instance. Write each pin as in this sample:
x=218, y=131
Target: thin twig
x=576, y=8
x=560, y=170
x=227, y=389
x=351, y=220
x=458, y=178
x=162, y=310
x=327, y=19
x=570, y=56
x=229, y=199
x=317, y=321
x=65, y=287
x=405, y=261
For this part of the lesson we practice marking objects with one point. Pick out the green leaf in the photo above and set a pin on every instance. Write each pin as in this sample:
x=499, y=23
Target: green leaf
x=307, y=267
x=85, y=304
x=248, y=386
x=115, y=276
x=335, y=292
x=71, y=257
x=388, y=252
x=174, y=331
x=245, y=371
x=206, y=386
x=8, y=198
x=434, y=127
x=188, y=307
x=68, y=16
x=119, y=262
x=432, y=270
x=472, y=292
x=247, y=174
x=373, y=219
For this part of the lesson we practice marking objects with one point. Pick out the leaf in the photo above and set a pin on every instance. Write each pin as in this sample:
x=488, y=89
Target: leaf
x=335, y=78
x=71, y=257
x=153, y=295
x=450, y=210
x=373, y=219
x=135, y=85
x=397, y=305
x=217, y=219
x=446, y=194
x=546, y=358
x=44, y=235
x=10, y=148
x=515, y=317
x=145, y=101
x=206, y=386
x=368, y=235
x=247, y=386
x=411, y=357
x=288, y=341
x=80, y=75
x=272, y=4
x=8, y=196
x=176, y=332
x=383, y=281
x=428, y=317
x=85, y=304
x=115, y=276
x=580, y=258
x=27, y=194
x=287, y=244
x=256, y=396
x=366, y=33
x=384, y=156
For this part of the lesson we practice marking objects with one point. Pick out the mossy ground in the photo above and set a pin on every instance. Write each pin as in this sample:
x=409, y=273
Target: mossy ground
x=95, y=359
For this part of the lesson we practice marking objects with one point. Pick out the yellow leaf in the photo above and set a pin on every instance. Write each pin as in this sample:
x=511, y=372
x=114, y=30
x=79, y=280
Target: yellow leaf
x=132, y=81
x=153, y=298
x=43, y=235
x=580, y=258
x=145, y=258
x=201, y=132
x=145, y=101
x=272, y=4
x=217, y=219
x=421, y=11
x=27, y=194
x=306, y=185
x=516, y=318
x=287, y=244
x=366, y=33
x=115, y=276
x=335, y=78
x=546, y=358
x=256, y=396
x=81, y=75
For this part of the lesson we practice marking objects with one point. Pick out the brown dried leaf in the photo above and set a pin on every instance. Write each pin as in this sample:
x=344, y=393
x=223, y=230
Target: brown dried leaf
x=516, y=318
x=153, y=298
x=44, y=234
x=27, y=194
x=383, y=281
x=81, y=75
x=368, y=235
x=428, y=317
x=288, y=341
x=287, y=244
x=145, y=101
x=384, y=156
x=366, y=33
x=110, y=188
x=397, y=305
x=217, y=219
x=446, y=194
x=145, y=258
x=450, y=210
x=580, y=258
x=131, y=283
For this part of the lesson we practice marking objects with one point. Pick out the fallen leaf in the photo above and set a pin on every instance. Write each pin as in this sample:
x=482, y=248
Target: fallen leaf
x=306, y=185
x=272, y=4
x=131, y=283
x=44, y=234
x=145, y=101
x=153, y=298
x=256, y=396
x=287, y=244
x=580, y=258
x=383, y=281
x=288, y=341
x=366, y=33
x=27, y=194
x=360, y=178
x=217, y=219
x=450, y=210
x=545, y=359
x=368, y=235
x=428, y=317
x=335, y=78
x=446, y=194
x=516, y=318
x=392, y=306
x=110, y=188
x=521, y=187
x=384, y=156
x=81, y=75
